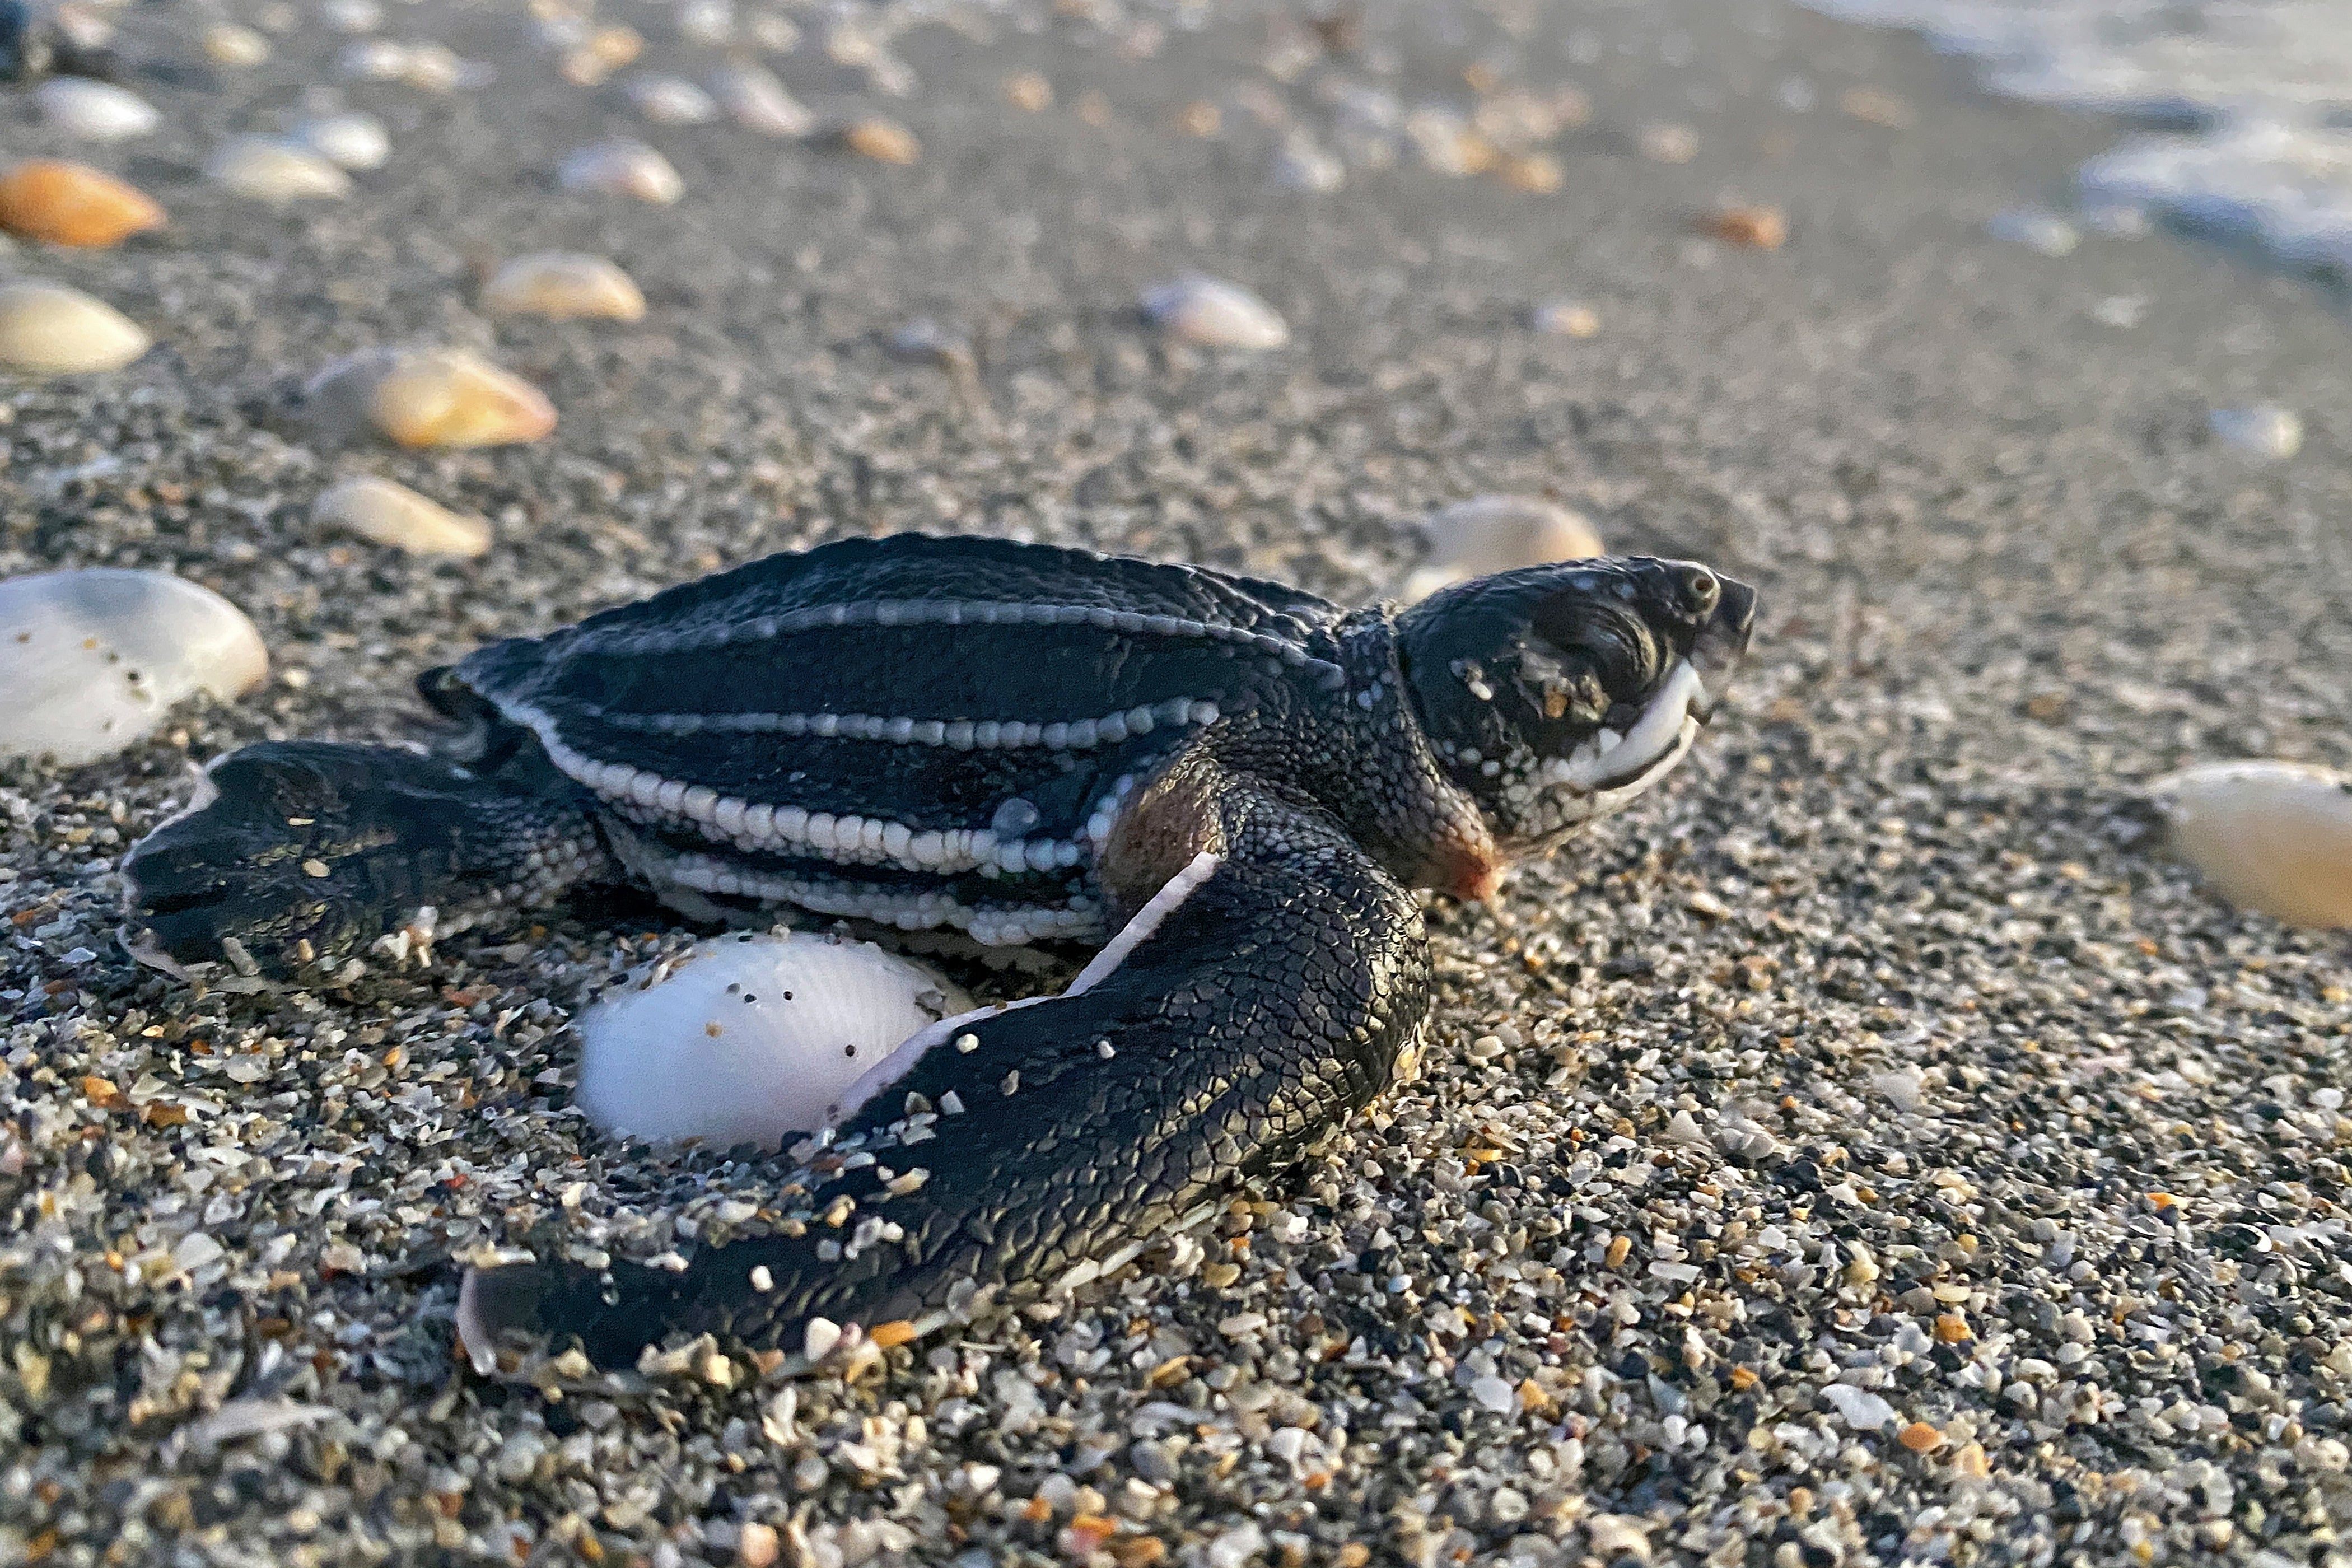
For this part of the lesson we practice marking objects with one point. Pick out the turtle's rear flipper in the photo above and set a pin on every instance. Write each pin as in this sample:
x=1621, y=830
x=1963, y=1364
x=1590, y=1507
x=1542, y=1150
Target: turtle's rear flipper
x=305, y=852
x=1260, y=997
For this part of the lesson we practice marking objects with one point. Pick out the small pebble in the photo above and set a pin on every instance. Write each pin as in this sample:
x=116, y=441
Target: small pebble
x=2274, y=837
x=2265, y=430
x=819, y=1336
x=1565, y=319
x=671, y=100
x=883, y=140
x=95, y=111
x=2043, y=232
x=65, y=203
x=1875, y=106
x=563, y=286
x=620, y=168
x=383, y=513
x=707, y=22
x=374, y=59
x=1214, y=313
x=1538, y=173
x=348, y=141
x=270, y=169
x=351, y=16
x=47, y=329
x=1863, y=1411
x=1498, y=533
x=428, y=397
x=1757, y=227
x=757, y=102
x=1029, y=90
x=1299, y=164
x=1667, y=143
x=227, y=44
x=92, y=659
x=757, y=1545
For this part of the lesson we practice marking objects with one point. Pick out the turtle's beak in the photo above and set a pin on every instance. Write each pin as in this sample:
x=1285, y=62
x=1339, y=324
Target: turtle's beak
x=1716, y=652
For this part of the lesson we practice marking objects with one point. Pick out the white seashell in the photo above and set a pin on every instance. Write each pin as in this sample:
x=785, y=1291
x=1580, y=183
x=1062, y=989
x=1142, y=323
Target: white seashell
x=1215, y=313
x=1498, y=533
x=710, y=22
x=671, y=100
x=756, y=100
x=227, y=44
x=1302, y=165
x=2044, y=232
x=715, y=1050
x=270, y=170
x=2265, y=430
x=624, y=169
x=95, y=111
x=1565, y=319
x=374, y=59
x=349, y=140
x=383, y=513
x=2269, y=835
x=47, y=329
x=93, y=659
x=553, y=283
x=351, y=16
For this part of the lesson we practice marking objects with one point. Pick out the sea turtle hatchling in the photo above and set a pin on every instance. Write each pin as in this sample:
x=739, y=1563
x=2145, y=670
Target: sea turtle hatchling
x=1227, y=785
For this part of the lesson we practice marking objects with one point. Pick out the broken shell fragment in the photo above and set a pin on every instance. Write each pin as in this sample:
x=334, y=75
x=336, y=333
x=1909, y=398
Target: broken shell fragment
x=92, y=659
x=749, y=1040
x=883, y=140
x=270, y=170
x=1214, y=313
x=47, y=329
x=2273, y=836
x=554, y=283
x=383, y=513
x=1498, y=533
x=622, y=168
x=95, y=111
x=60, y=203
x=348, y=141
x=429, y=398
x=757, y=102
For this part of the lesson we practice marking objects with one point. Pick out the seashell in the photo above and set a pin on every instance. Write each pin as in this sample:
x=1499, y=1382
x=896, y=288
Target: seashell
x=1214, y=313
x=749, y=1040
x=2264, y=430
x=95, y=111
x=93, y=659
x=429, y=398
x=1200, y=118
x=1300, y=165
x=671, y=100
x=437, y=68
x=47, y=329
x=776, y=33
x=1758, y=228
x=71, y=204
x=883, y=140
x=622, y=169
x=1447, y=142
x=383, y=513
x=374, y=59
x=1667, y=143
x=1029, y=90
x=270, y=170
x=553, y=283
x=2269, y=835
x=348, y=141
x=2044, y=232
x=227, y=44
x=1498, y=533
x=710, y=22
x=756, y=100
x=601, y=53
x=1566, y=318
x=1539, y=173
x=351, y=16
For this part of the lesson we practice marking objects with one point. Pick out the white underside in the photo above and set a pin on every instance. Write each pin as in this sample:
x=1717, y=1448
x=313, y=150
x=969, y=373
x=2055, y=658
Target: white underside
x=1610, y=761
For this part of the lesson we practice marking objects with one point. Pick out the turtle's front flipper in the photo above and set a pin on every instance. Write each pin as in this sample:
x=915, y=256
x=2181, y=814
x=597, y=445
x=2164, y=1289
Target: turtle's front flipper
x=308, y=851
x=1262, y=996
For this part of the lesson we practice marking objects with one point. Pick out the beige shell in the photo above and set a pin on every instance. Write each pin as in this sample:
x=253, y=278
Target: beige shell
x=227, y=44
x=671, y=100
x=429, y=398
x=47, y=329
x=883, y=140
x=351, y=141
x=620, y=168
x=383, y=513
x=92, y=659
x=270, y=170
x=94, y=111
x=2269, y=835
x=757, y=102
x=1498, y=533
x=558, y=284
x=1215, y=315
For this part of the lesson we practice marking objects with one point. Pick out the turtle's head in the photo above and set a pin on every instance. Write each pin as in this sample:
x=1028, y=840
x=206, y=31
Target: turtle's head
x=1554, y=694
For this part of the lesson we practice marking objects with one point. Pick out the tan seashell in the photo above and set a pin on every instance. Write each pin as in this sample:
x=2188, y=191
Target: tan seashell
x=1029, y=90
x=93, y=659
x=1760, y=228
x=1498, y=533
x=47, y=329
x=1539, y=173
x=430, y=397
x=51, y=200
x=386, y=513
x=1214, y=314
x=622, y=168
x=1565, y=319
x=270, y=170
x=227, y=44
x=2269, y=835
x=671, y=100
x=553, y=283
x=883, y=140
x=348, y=141
x=757, y=102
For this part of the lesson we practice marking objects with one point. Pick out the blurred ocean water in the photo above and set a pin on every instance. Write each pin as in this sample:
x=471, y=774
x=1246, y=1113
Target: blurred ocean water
x=2250, y=101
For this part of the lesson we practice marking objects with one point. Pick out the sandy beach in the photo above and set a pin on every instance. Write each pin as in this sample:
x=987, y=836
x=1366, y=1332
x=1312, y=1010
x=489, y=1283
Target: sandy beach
x=1870, y=1148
